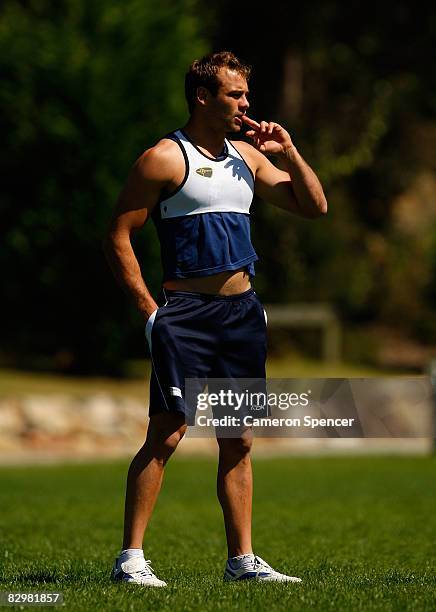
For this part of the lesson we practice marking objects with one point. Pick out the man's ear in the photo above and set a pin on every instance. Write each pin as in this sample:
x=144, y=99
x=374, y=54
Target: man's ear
x=203, y=95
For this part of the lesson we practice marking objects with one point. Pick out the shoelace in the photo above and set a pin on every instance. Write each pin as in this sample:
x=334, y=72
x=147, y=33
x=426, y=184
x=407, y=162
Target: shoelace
x=147, y=571
x=259, y=564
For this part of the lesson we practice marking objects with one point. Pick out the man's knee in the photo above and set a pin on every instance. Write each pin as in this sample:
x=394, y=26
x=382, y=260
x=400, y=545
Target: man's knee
x=165, y=431
x=240, y=446
x=171, y=442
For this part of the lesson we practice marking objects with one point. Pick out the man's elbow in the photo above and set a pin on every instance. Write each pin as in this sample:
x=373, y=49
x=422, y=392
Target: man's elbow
x=116, y=242
x=109, y=244
x=318, y=209
x=322, y=206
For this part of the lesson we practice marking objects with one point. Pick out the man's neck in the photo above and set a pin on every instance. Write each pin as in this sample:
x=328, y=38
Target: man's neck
x=205, y=137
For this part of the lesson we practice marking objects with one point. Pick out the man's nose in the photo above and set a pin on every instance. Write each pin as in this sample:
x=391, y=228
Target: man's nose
x=244, y=103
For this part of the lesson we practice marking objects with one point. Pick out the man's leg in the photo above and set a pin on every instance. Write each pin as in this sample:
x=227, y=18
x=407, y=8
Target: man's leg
x=145, y=475
x=235, y=491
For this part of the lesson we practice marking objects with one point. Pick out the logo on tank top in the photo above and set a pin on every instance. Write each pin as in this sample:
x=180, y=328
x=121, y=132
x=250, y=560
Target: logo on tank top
x=207, y=172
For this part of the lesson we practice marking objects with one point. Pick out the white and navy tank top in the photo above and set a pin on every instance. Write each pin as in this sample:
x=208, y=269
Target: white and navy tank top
x=204, y=225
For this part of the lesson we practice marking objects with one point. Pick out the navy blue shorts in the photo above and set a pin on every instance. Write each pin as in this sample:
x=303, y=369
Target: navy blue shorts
x=201, y=336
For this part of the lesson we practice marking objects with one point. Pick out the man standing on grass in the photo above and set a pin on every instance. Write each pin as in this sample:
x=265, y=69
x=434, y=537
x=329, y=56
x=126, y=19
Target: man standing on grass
x=197, y=186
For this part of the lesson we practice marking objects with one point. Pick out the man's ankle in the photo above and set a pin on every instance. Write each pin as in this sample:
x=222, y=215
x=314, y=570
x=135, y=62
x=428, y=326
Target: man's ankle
x=129, y=553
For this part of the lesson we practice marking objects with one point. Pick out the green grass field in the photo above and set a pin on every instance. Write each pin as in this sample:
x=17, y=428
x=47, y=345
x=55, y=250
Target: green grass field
x=359, y=531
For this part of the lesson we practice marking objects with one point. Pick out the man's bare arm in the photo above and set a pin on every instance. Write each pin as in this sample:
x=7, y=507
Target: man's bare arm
x=297, y=188
x=149, y=175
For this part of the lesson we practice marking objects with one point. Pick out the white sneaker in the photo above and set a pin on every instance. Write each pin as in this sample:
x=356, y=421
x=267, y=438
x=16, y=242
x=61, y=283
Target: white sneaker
x=252, y=567
x=137, y=571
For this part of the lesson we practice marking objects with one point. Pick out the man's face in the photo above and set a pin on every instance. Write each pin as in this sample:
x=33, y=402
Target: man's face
x=231, y=102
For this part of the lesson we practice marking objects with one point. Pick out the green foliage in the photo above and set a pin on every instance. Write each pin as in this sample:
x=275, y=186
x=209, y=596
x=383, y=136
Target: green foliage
x=353, y=86
x=86, y=87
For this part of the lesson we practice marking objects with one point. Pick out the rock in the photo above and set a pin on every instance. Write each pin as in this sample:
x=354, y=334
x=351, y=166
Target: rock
x=11, y=419
x=100, y=414
x=51, y=414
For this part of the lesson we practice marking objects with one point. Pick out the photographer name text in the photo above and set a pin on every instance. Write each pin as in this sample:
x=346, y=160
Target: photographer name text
x=250, y=421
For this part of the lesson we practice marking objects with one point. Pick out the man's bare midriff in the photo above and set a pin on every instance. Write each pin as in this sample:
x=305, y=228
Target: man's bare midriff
x=223, y=283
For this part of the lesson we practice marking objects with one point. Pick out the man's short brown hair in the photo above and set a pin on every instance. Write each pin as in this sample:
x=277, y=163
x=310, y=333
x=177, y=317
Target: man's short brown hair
x=203, y=73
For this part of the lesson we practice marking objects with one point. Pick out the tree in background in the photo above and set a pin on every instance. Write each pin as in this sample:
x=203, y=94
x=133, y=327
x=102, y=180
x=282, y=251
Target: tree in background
x=355, y=84
x=86, y=87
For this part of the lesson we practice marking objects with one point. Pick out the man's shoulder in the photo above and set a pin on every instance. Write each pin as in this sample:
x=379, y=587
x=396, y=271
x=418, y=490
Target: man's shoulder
x=163, y=150
x=160, y=159
x=245, y=148
x=248, y=152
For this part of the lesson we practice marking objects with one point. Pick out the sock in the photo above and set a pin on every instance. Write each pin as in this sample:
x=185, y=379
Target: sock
x=236, y=562
x=129, y=553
